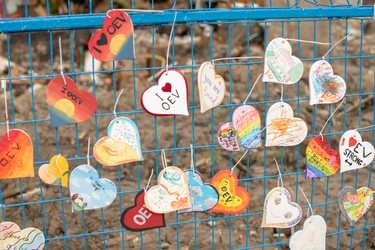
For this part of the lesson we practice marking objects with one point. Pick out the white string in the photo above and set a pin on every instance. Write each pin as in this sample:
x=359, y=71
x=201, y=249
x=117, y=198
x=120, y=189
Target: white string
x=149, y=180
x=311, y=211
x=329, y=118
x=57, y=163
x=282, y=92
x=373, y=17
x=169, y=43
x=238, y=57
x=323, y=57
x=238, y=162
x=306, y=41
x=88, y=152
x=118, y=97
x=278, y=169
x=251, y=90
x=192, y=158
x=132, y=10
x=364, y=127
x=4, y=86
x=61, y=64
x=163, y=159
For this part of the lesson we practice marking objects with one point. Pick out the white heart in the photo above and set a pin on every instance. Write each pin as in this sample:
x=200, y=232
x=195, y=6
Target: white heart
x=354, y=153
x=280, y=66
x=157, y=102
x=211, y=87
x=282, y=128
x=312, y=236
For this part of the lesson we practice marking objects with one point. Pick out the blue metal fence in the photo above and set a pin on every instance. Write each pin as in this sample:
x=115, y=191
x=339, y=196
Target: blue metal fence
x=30, y=50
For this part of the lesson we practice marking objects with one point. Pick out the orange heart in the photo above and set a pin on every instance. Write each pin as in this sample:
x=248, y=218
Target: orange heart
x=232, y=198
x=16, y=155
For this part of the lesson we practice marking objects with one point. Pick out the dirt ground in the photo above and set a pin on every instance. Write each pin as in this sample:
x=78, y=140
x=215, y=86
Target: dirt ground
x=48, y=207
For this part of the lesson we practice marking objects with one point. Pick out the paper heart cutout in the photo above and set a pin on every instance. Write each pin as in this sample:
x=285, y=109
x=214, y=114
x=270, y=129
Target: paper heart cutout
x=171, y=193
x=88, y=191
x=211, y=87
x=324, y=86
x=279, y=211
x=233, y=199
x=12, y=237
x=67, y=104
x=354, y=203
x=354, y=153
x=16, y=155
x=203, y=197
x=321, y=160
x=56, y=172
x=159, y=103
x=116, y=40
x=280, y=66
x=244, y=132
x=122, y=145
x=138, y=218
x=312, y=236
x=282, y=128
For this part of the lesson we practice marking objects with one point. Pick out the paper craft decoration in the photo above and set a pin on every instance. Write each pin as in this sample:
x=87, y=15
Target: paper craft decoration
x=88, y=191
x=312, y=236
x=116, y=40
x=280, y=66
x=244, y=132
x=203, y=197
x=354, y=153
x=321, y=160
x=138, y=218
x=12, y=237
x=67, y=104
x=56, y=172
x=279, y=211
x=233, y=199
x=122, y=145
x=283, y=129
x=354, y=204
x=211, y=87
x=168, y=97
x=16, y=155
x=171, y=193
x=325, y=87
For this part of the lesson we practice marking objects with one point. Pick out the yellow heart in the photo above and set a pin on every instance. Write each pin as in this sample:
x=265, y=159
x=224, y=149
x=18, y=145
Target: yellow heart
x=56, y=172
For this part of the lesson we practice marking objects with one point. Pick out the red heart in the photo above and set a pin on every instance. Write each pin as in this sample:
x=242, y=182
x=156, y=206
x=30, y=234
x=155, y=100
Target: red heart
x=138, y=218
x=116, y=40
x=352, y=141
x=16, y=155
x=167, y=87
x=67, y=104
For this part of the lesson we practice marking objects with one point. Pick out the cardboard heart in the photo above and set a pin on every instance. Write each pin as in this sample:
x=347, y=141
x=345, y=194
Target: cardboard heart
x=279, y=211
x=244, y=132
x=203, y=197
x=280, y=66
x=233, y=199
x=67, y=104
x=354, y=203
x=138, y=218
x=211, y=87
x=282, y=128
x=122, y=145
x=321, y=160
x=325, y=87
x=354, y=153
x=171, y=193
x=116, y=40
x=12, y=237
x=159, y=103
x=16, y=155
x=88, y=191
x=56, y=172
x=312, y=236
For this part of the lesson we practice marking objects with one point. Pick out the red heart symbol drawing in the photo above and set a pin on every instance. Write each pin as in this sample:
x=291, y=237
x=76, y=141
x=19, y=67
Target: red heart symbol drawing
x=67, y=104
x=167, y=87
x=16, y=155
x=116, y=40
x=352, y=142
x=138, y=218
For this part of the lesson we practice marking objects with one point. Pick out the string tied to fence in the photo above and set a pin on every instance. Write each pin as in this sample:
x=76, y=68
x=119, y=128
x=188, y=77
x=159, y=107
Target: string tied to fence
x=238, y=162
x=251, y=90
x=88, y=151
x=339, y=41
x=61, y=62
x=149, y=180
x=169, y=43
x=308, y=202
x=117, y=99
x=192, y=165
x=280, y=179
x=163, y=159
x=4, y=86
x=371, y=126
x=329, y=118
x=235, y=58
